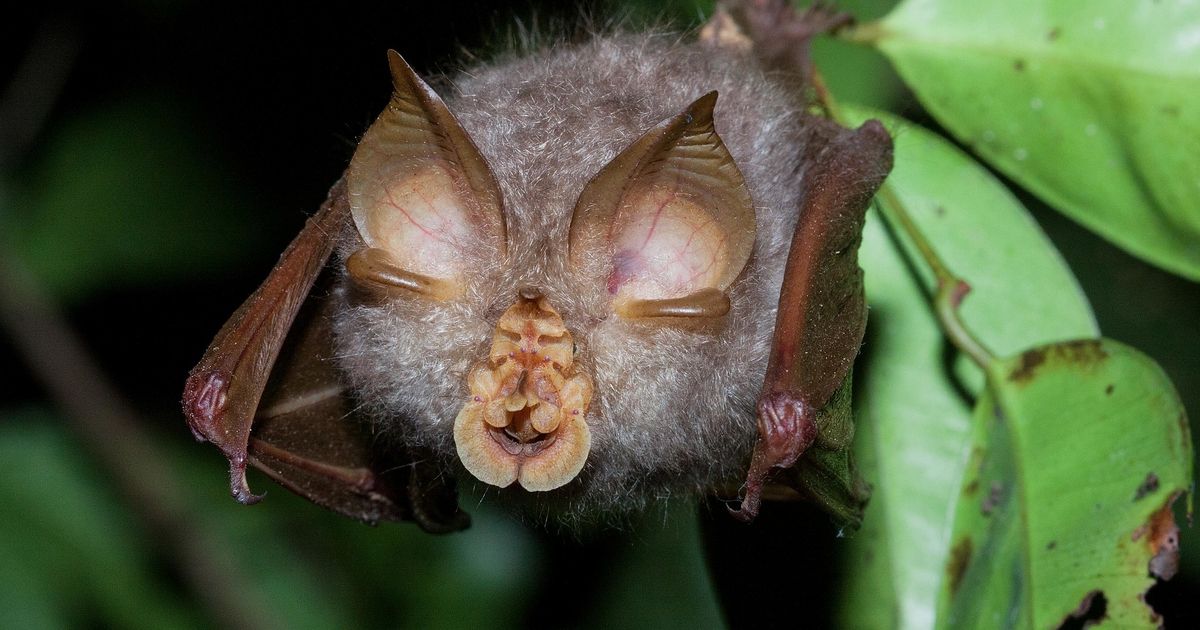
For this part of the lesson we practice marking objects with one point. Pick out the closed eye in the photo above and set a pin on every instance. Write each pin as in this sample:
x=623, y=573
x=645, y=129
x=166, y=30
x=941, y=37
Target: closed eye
x=703, y=303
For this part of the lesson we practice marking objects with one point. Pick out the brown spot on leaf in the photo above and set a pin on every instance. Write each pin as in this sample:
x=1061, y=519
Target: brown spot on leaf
x=1109, y=390
x=1019, y=65
x=956, y=567
x=1084, y=352
x=1164, y=542
x=1091, y=610
x=995, y=494
x=1030, y=361
x=1170, y=110
x=1148, y=485
x=1162, y=539
x=972, y=487
x=1054, y=33
x=1051, y=545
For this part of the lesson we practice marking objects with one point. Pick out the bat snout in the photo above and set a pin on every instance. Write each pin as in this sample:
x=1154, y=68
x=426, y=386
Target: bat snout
x=526, y=418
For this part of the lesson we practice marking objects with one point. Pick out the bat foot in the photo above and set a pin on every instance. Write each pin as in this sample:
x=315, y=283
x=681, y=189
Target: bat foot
x=748, y=509
x=785, y=430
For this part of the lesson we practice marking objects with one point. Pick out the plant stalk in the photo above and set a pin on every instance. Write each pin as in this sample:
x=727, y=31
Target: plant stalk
x=950, y=289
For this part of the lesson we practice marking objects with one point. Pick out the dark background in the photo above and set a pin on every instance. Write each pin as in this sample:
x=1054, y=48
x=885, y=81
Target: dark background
x=182, y=144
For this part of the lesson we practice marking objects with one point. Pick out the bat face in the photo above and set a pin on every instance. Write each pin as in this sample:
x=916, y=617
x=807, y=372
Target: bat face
x=581, y=283
x=563, y=306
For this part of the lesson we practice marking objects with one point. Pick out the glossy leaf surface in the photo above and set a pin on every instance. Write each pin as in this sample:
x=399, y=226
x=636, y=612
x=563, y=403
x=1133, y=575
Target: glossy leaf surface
x=1078, y=451
x=1090, y=105
x=914, y=412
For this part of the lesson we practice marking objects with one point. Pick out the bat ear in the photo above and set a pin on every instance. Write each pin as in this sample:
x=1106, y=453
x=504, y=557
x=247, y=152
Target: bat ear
x=668, y=224
x=422, y=196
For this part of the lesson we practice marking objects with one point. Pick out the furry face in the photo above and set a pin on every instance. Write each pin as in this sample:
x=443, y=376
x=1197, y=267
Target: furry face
x=545, y=190
x=580, y=283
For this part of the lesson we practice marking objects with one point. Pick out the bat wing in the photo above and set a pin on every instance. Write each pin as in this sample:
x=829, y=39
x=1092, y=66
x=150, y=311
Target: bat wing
x=267, y=394
x=820, y=323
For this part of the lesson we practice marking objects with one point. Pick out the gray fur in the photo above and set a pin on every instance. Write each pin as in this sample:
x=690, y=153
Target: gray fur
x=674, y=408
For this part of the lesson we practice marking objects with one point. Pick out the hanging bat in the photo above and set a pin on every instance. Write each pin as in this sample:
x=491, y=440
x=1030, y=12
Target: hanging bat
x=590, y=277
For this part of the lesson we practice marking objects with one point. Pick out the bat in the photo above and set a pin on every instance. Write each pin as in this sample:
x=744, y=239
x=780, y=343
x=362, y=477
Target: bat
x=580, y=279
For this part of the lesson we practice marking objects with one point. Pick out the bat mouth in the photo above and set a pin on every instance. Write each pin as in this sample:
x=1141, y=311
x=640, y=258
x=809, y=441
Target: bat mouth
x=525, y=421
x=520, y=437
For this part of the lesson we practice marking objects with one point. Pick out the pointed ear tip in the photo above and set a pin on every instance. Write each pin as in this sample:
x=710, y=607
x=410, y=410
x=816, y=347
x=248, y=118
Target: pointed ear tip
x=703, y=106
x=398, y=65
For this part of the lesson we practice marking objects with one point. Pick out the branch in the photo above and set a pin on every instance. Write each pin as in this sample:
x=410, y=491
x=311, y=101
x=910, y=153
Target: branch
x=105, y=421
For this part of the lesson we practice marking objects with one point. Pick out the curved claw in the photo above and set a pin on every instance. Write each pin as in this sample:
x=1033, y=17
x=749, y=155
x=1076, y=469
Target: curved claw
x=238, y=486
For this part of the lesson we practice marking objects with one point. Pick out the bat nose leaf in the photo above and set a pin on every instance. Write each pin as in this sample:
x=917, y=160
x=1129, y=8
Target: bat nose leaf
x=525, y=420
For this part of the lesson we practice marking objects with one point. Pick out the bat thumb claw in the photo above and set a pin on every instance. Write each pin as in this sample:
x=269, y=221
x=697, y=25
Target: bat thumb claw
x=752, y=496
x=748, y=510
x=238, y=485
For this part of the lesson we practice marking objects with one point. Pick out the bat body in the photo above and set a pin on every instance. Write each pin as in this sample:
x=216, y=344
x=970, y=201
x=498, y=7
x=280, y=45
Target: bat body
x=674, y=407
x=561, y=284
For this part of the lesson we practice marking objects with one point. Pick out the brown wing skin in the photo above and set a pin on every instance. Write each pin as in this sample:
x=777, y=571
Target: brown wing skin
x=822, y=309
x=223, y=390
x=308, y=438
x=267, y=394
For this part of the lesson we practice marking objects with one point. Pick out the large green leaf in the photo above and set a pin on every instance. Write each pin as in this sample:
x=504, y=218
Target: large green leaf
x=1091, y=105
x=914, y=413
x=1078, y=451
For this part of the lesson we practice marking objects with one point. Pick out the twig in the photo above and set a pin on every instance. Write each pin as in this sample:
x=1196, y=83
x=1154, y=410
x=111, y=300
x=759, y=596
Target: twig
x=107, y=424
x=867, y=33
x=111, y=430
x=34, y=88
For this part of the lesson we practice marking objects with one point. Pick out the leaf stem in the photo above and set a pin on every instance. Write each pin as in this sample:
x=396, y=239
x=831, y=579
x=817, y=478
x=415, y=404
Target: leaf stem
x=950, y=289
x=867, y=34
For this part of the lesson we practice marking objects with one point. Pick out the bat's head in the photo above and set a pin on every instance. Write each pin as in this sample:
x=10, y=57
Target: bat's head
x=519, y=352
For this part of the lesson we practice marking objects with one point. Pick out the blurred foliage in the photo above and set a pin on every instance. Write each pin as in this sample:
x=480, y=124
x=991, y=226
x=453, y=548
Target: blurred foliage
x=75, y=555
x=166, y=169
x=126, y=193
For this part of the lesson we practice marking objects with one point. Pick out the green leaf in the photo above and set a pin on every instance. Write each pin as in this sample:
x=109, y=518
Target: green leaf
x=914, y=414
x=1078, y=451
x=72, y=553
x=857, y=74
x=1090, y=105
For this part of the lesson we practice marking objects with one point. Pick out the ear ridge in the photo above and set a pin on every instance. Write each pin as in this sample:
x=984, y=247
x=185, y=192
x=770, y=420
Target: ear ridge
x=682, y=166
x=417, y=182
